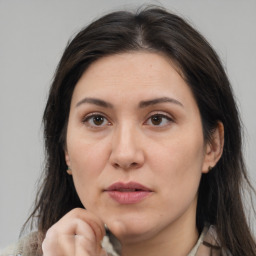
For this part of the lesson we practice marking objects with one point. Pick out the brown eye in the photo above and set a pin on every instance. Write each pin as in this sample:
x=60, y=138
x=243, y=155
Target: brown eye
x=98, y=120
x=156, y=120
x=159, y=120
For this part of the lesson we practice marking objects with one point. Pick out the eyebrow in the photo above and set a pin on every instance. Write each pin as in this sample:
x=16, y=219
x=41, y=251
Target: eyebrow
x=94, y=101
x=147, y=103
x=142, y=104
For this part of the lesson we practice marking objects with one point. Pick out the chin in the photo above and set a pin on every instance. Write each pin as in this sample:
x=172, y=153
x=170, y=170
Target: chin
x=130, y=231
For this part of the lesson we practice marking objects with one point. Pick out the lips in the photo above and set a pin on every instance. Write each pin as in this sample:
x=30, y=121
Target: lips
x=128, y=193
x=131, y=186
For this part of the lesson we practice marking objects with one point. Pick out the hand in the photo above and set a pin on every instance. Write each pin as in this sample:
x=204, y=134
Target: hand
x=78, y=233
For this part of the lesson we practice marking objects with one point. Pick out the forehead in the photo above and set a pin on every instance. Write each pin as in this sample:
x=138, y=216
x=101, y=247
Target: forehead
x=132, y=75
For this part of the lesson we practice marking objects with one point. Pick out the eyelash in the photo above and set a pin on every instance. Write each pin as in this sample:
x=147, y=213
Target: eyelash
x=167, y=118
x=86, y=120
x=90, y=118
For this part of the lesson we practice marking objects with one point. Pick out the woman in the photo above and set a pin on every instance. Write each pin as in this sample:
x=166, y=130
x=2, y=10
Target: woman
x=142, y=137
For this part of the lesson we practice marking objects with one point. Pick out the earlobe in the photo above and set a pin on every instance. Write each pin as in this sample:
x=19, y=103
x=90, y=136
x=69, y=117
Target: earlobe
x=69, y=171
x=67, y=159
x=214, y=148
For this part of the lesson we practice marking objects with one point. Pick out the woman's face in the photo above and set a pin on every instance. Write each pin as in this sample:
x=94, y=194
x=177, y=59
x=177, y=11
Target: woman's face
x=135, y=145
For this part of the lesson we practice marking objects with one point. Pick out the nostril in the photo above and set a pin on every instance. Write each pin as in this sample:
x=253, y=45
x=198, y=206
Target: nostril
x=116, y=165
x=126, y=166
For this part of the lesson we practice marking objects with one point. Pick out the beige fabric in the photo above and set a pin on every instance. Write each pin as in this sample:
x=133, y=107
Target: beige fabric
x=27, y=246
x=199, y=242
x=207, y=245
x=210, y=245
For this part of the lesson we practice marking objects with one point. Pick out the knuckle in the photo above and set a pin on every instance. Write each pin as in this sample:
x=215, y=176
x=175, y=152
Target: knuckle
x=76, y=213
x=51, y=234
x=85, y=244
x=47, y=244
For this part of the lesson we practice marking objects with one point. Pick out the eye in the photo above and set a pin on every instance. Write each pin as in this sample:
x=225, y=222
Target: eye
x=96, y=120
x=159, y=120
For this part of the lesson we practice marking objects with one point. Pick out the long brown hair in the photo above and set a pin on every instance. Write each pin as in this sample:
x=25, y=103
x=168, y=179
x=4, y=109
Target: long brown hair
x=152, y=29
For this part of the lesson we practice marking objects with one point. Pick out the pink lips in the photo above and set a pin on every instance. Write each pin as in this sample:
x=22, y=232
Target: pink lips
x=128, y=193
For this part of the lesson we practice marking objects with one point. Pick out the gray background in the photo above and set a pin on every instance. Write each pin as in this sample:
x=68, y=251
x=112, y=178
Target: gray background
x=33, y=35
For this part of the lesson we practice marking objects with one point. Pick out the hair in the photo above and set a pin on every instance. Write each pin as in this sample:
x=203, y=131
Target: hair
x=152, y=29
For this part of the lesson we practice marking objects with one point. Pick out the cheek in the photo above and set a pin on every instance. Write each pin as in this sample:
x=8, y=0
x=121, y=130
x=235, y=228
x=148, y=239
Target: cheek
x=87, y=160
x=179, y=154
x=87, y=156
x=179, y=167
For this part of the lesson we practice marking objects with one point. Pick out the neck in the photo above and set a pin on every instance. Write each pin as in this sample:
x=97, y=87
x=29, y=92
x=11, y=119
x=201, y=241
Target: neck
x=176, y=239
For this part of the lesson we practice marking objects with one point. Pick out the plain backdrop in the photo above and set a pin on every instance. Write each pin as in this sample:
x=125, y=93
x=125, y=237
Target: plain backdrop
x=33, y=35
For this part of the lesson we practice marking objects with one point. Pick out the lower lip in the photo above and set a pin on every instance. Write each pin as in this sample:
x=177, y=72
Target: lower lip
x=128, y=197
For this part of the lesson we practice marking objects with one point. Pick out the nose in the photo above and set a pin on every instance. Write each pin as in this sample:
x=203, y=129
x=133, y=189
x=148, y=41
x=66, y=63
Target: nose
x=127, y=151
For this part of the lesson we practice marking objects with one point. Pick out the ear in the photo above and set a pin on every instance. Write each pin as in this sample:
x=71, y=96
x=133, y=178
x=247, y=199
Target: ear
x=67, y=159
x=214, y=148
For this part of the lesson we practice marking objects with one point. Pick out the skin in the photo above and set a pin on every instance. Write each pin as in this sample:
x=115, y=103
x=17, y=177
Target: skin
x=160, y=146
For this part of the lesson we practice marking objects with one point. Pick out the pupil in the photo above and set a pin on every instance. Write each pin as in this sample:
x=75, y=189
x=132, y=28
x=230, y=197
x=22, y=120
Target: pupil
x=156, y=120
x=98, y=120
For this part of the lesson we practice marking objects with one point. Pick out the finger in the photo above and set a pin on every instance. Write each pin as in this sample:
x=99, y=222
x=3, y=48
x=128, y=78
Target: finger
x=58, y=244
x=75, y=216
x=79, y=230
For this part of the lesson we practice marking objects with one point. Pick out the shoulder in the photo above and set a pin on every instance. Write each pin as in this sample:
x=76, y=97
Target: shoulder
x=26, y=246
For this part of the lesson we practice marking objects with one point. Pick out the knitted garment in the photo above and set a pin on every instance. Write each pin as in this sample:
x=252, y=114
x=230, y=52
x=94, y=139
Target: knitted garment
x=207, y=245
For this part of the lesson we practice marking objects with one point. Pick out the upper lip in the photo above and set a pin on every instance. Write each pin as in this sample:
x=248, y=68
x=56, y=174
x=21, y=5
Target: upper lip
x=130, y=186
